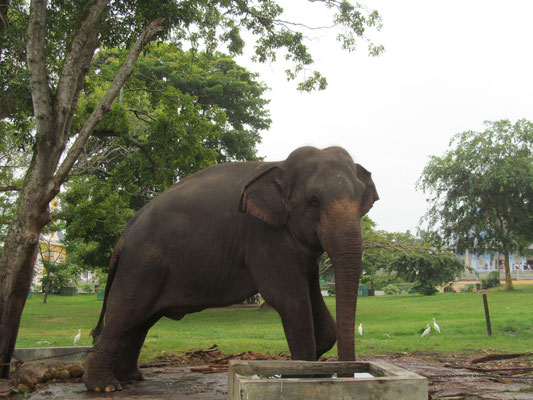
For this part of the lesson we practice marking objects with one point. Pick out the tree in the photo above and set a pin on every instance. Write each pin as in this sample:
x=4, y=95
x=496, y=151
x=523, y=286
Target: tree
x=52, y=45
x=428, y=269
x=56, y=271
x=482, y=190
x=389, y=257
x=183, y=110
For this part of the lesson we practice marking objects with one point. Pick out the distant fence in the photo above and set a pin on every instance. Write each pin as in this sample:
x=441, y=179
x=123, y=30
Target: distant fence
x=515, y=275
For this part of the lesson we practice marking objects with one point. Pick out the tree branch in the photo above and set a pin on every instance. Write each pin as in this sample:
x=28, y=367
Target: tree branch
x=105, y=104
x=75, y=66
x=139, y=114
x=36, y=57
x=10, y=188
x=4, y=7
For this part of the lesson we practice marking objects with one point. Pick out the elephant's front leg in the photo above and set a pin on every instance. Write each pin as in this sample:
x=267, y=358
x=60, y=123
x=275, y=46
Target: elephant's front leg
x=282, y=281
x=324, y=324
x=297, y=320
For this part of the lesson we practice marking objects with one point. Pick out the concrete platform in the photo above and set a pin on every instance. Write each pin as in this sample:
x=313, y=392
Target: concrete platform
x=68, y=354
x=170, y=383
x=273, y=380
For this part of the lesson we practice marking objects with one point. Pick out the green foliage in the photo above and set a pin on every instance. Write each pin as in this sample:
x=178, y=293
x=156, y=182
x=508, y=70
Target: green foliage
x=492, y=280
x=482, y=188
x=192, y=24
x=391, y=258
x=391, y=289
x=58, y=274
x=179, y=113
x=95, y=215
x=87, y=288
x=428, y=269
x=380, y=280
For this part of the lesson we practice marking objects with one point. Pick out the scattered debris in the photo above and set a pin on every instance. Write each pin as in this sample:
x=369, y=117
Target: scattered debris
x=492, y=357
x=208, y=357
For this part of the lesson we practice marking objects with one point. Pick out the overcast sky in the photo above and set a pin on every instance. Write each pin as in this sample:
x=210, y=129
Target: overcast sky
x=447, y=67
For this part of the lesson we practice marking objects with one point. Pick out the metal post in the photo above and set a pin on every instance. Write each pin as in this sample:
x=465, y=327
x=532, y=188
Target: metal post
x=487, y=316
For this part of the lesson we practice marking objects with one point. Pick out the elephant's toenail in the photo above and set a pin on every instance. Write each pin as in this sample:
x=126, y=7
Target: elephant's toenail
x=109, y=389
x=97, y=389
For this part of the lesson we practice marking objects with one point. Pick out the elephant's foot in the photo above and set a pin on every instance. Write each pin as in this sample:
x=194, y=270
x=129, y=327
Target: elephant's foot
x=98, y=375
x=128, y=375
x=101, y=383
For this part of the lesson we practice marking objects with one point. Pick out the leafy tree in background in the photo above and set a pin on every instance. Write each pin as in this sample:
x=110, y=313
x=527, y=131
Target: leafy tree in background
x=392, y=257
x=482, y=190
x=428, y=268
x=182, y=111
x=46, y=51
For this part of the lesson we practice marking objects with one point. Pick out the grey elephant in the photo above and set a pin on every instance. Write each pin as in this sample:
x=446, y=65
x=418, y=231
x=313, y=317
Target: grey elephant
x=228, y=232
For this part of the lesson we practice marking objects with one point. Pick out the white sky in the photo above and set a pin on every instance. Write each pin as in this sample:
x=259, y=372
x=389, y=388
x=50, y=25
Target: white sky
x=447, y=67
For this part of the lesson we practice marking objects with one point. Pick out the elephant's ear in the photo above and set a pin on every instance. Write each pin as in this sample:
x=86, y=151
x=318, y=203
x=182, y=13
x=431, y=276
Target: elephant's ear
x=263, y=197
x=370, y=195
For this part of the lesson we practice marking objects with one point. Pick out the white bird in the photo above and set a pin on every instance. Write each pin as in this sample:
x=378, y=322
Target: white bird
x=436, y=326
x=77, y=337
x=426, y=332
x=360, y=329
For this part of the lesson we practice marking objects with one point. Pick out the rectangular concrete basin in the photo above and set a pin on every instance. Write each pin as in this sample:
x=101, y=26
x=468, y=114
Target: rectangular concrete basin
x=265, y=380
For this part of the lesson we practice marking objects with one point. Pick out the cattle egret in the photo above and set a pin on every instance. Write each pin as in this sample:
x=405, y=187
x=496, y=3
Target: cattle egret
x=360, y=329
x=426, y=332
x=77, y=337
x=436, y=326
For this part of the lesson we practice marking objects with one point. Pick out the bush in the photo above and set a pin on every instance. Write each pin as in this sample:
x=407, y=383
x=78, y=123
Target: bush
x=426, y=288
x=449, y=288
x=379, y=280
x=87, y=288
x=492, y=280
x=391, y=289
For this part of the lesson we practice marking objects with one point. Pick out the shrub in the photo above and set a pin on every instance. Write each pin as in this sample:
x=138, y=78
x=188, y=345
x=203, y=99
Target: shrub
x=391, y=289
x=449, y=288
x=492, y=280
x=87, y=288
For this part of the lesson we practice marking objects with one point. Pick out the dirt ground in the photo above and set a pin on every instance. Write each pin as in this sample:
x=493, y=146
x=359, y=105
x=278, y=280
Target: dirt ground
x=202, y=374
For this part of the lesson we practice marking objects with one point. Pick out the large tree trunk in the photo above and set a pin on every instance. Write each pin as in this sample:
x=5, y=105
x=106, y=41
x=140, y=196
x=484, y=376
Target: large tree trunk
x=16, y=269
x=44, y=177
x=508, y=279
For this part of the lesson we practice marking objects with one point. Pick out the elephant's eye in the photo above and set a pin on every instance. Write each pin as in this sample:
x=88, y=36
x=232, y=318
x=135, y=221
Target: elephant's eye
x=314, y=202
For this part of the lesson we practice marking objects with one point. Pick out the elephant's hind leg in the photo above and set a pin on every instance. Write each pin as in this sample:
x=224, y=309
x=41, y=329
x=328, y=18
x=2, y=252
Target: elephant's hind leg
x=126, y=368
x=99, y=366
x=125, y=328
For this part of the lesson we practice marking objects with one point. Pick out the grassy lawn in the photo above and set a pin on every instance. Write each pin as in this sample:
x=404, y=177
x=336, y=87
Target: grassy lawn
x=391, y=324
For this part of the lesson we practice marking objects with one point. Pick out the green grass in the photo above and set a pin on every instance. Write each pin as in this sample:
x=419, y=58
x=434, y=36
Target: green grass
x=391, y=324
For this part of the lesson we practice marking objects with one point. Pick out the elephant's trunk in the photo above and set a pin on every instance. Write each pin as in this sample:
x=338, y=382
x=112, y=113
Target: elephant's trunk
x=340, y=235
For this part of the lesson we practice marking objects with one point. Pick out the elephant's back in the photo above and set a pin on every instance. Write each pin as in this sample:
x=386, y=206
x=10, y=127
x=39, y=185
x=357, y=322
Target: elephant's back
x=199, y=206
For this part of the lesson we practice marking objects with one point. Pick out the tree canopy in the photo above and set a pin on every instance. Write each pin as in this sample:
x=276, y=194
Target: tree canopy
x=180, y=110
x=390, y=257
x=482, y=190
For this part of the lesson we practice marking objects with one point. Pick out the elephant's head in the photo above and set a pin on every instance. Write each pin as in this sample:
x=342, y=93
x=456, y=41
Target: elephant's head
x=320, y=196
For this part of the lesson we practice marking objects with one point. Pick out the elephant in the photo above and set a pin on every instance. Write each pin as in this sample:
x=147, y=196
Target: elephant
x=228, y=232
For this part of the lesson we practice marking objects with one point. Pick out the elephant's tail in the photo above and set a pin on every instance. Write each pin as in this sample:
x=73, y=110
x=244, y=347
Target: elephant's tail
x=110, y=276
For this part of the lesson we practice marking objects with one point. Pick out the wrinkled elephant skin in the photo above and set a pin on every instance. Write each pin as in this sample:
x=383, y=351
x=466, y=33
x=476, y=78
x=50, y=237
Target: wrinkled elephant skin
x=228, y=232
